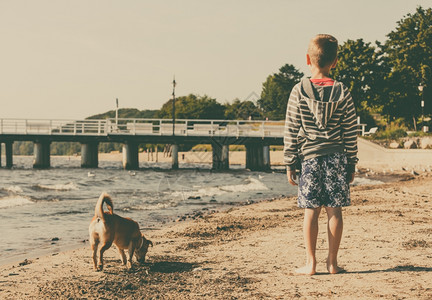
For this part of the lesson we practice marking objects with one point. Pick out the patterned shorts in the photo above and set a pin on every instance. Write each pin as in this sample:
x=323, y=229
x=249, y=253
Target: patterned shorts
x=323, y=182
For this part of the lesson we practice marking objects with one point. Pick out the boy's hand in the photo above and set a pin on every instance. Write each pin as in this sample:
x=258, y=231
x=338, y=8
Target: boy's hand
x=291, y=174
x=350, y=177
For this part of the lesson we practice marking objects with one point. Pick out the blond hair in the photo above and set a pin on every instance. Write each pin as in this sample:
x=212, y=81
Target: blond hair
x=322, y=50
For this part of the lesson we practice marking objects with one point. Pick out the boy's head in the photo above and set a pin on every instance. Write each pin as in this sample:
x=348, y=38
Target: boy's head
x=322, y=50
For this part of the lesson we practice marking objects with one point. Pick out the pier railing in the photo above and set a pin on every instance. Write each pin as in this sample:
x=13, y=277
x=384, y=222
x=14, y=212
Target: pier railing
x=151, y=127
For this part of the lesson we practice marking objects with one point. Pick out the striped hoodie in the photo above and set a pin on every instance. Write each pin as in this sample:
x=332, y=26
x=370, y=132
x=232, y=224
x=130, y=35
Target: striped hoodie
x=320, y=120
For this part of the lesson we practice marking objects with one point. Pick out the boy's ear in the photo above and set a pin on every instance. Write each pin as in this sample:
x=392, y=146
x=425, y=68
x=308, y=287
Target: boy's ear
x=334, y=63
x=308, y=60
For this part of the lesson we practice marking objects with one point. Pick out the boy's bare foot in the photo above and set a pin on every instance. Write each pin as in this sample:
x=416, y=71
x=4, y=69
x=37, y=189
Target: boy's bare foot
x=306, y=270
x=335, y=269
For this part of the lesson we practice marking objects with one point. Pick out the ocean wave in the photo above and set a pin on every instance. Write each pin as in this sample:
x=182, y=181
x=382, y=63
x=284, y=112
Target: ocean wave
x=365, y=181
x=58, y=187
x=14, y=201
x=252, y=185
x=14, y=189
x=156, y=206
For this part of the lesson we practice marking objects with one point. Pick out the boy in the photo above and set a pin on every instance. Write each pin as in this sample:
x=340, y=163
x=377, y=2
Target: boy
x=321, y=137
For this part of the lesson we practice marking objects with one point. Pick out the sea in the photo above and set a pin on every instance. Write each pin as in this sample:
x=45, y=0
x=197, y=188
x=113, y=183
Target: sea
x=46, y=211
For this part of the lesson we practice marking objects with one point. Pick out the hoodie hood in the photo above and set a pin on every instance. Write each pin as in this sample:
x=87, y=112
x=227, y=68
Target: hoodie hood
x=322, y=101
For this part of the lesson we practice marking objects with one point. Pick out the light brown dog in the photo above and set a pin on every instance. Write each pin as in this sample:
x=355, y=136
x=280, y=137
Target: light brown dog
x=107, y=228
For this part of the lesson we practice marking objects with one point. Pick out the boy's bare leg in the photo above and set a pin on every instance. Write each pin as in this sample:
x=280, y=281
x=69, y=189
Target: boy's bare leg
x=310, y=233
x=334, y=230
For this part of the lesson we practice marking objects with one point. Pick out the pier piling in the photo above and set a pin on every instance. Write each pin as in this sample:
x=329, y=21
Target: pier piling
x=89, y=155
x=9, y=154
x=257, y=157
x=174, y=156
x=220, y=156
x=41, y=155
x=130, y=156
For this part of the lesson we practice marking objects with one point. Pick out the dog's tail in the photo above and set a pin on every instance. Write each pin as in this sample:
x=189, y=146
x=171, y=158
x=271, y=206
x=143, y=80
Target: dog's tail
x=104, y=198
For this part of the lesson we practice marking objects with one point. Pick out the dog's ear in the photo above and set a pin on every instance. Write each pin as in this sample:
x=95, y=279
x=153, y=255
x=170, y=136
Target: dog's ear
x=146, y=240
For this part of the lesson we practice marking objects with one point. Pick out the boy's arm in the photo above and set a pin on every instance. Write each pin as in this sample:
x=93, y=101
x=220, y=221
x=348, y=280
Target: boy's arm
x=349, y=134
x=292, y=126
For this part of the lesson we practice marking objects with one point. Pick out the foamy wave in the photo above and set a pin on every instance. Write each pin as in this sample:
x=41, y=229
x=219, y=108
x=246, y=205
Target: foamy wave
x=14, y=189
x=14, y=201
x=153, y=206
x=253, y=185
x=58, y=187
x=365, y=181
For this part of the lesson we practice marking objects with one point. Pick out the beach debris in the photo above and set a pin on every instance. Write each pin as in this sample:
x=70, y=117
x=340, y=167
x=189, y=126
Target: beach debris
x=25, y=262
x=415, y=244
x=91, y=174
x=200, y=269
x=132, y=173
x=194, y=197
x=404, y=169
x=55, y=239
x=13, y=274
x=260, y=177
x=414, y=173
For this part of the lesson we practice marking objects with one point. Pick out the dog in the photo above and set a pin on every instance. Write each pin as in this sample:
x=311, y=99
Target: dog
x=107, y=228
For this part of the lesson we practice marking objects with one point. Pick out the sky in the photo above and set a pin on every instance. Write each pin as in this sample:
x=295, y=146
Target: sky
x=71, y=59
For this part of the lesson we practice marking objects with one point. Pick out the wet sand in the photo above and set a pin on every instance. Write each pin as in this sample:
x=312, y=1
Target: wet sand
x=251, y=252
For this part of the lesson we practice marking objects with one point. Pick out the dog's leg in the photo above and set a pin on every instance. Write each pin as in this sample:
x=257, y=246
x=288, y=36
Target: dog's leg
x=131, y=251
x=94, y=246
x=101, y=252
x=94, y=243
x=122, y=256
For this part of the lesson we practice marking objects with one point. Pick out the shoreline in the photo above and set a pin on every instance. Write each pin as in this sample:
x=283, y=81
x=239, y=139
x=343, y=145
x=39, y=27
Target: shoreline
x=251, y=251
x=57, y=247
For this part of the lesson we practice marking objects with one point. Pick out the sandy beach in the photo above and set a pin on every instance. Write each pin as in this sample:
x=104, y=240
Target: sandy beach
x=251, y=251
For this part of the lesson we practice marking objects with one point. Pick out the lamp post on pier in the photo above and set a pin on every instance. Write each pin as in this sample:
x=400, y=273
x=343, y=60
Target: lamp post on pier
x=173, y=106
x=116, y=114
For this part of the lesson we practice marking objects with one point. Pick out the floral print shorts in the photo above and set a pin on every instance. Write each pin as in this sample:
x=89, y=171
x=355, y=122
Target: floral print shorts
x=323, y=182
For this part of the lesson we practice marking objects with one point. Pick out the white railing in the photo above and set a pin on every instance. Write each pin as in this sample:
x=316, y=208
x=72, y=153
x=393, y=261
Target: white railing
x=151, y=127
x=164, y=127
x=53, y=127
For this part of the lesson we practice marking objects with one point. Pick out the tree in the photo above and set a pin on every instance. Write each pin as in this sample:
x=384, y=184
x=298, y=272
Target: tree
x=362, y=70
x=193, y=107
x=409, y=54
x=276, y=91
x=242, y=110
x=126, y=113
